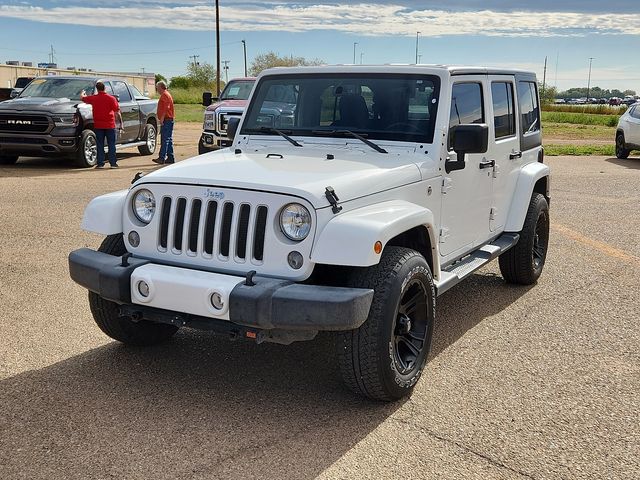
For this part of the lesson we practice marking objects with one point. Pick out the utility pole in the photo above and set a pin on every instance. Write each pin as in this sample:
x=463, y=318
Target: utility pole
x=419, y=58
x=361, y=55
x=544, y=77
x=217, y=49
x=417, y=45
x=557, y=63
x=226, y=70
x=244, y=47
x=354, y=52
x=195, y=59
x=589, y=81
x=51, y=56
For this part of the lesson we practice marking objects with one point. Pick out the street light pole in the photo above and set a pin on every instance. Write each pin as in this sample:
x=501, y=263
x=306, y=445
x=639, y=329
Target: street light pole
x=417, y=38
x=589, y=82
x=354, y=52
x=217, y=49
x=244, y=47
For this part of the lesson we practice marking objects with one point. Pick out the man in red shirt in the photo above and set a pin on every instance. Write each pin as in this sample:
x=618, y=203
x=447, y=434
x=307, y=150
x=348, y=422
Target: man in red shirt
x=166, y=114
x=105, y=108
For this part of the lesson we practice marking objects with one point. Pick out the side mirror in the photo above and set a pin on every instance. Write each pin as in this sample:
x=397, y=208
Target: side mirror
x=14, y=93
x=473, y=138
x=208, y=99
x=232, y=127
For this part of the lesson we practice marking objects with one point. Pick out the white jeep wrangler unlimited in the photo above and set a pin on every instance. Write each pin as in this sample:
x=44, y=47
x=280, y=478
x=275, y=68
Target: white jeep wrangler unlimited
x=351, y=198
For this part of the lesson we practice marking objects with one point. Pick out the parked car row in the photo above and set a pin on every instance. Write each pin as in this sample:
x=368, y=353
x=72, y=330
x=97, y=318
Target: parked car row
x=628, y=100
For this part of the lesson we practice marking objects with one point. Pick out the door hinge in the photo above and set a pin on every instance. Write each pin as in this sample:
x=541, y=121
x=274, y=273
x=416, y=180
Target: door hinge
x=492, y=213
x=446, y=185
x=496, y=170
x=444, y=234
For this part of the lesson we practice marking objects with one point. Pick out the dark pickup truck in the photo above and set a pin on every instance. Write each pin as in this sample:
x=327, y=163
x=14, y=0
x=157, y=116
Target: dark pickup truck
x=7, y=93
x=49, y=119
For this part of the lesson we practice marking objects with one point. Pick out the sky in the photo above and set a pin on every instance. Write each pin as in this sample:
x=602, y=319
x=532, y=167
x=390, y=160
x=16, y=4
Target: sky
x=160, y=35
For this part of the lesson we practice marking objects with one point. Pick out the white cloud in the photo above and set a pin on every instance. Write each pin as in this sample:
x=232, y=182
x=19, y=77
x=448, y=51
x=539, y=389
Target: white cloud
x=361, y=19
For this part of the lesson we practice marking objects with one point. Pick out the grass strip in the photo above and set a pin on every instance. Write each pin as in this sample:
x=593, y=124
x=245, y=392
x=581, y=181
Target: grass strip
x=580, y=150
x=580, y=118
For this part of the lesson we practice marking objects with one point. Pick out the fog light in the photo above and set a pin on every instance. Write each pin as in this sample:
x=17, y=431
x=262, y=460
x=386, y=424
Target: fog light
x=143, y=288
x=295, y=260
x=208, y=140
x=134, y=238
x=216, y=301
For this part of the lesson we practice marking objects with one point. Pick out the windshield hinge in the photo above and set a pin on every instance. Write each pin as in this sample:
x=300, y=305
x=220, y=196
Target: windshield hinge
x=446, y=185
x=333, y=199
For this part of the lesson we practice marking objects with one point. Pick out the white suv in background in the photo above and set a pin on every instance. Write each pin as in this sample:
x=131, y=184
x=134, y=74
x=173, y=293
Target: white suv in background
x=628, y=132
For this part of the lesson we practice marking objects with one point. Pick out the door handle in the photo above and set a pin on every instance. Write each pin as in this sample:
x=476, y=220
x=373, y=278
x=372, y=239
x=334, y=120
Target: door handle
x=515, y=155
x=487, y=164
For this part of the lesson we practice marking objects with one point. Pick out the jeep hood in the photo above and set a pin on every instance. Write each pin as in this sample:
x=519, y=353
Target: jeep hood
x=352, y=173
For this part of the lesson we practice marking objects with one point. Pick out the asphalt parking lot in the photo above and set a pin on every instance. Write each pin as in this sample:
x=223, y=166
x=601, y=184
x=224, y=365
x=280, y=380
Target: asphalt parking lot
x=531, y=383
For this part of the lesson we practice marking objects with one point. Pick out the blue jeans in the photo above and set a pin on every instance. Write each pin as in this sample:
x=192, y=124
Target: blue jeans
x=166, y=141
x=110, y=134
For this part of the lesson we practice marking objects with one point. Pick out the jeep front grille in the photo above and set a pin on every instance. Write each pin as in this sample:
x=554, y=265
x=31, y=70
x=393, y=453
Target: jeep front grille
x=212, y=229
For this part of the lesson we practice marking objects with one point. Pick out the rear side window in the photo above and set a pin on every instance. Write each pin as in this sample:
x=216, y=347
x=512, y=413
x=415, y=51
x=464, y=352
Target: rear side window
x=529, y=109
x=466, y=106
x=121, y=90
x=635, y=112
x=504, y=118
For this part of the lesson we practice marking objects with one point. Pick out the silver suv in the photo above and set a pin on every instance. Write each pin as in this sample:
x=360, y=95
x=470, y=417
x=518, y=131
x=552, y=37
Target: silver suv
x=628, y=132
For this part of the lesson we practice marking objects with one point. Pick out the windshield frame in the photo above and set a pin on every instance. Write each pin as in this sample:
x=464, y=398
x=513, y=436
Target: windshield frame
x=89, y=86
x=426, y=137
x=230, y=84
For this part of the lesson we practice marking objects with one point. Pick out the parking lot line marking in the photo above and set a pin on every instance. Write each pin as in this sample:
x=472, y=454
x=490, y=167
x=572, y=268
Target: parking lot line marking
x=601, y=246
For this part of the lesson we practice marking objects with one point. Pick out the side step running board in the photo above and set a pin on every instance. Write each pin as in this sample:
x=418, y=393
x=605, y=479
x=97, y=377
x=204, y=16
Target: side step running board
x=125, y=145
x=457, y=272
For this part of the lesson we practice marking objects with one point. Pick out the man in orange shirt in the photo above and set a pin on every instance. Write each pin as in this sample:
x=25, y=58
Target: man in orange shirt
x=166, y=116
x=105, y=108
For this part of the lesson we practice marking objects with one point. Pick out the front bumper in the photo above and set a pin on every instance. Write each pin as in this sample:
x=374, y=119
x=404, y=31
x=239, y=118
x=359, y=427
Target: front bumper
x=174, y=292
x=34, y=144
x=213, y=141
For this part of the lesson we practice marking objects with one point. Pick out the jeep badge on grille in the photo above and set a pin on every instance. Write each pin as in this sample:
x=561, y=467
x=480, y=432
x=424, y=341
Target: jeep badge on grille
x=215, y=194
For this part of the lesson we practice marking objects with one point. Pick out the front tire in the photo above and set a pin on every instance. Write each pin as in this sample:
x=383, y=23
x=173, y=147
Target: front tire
x=201, y=148
x=523, y=263
x=621, y=151
x=8, y=159
x=87, y=154
x=150, y=139
x=384, y=358
x=123, y=329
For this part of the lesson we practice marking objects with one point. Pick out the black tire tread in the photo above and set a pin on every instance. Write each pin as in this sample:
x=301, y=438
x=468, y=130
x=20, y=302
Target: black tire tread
x=80, y=160
x=358, y=351
x=625, y=152
x=515, y=263
x=144, y=149
x=105, y=313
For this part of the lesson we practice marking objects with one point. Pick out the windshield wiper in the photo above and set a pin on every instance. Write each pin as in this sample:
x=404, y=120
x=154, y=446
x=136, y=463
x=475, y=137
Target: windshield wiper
x=377, y=148
x=275, y=130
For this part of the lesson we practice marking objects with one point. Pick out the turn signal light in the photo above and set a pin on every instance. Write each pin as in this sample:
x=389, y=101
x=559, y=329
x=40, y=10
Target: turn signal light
x=378, y=247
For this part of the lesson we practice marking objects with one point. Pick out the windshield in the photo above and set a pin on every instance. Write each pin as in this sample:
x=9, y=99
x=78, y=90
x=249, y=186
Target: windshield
x=375, y=106
x=58, y=88
x=237, y=90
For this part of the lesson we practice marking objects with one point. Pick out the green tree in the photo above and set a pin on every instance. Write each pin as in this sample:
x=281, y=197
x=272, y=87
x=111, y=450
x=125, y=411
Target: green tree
x=629, y=92
x=547, y=94
x=272, y=59
x=180, y=82
x=160, y=77
x=201, y=74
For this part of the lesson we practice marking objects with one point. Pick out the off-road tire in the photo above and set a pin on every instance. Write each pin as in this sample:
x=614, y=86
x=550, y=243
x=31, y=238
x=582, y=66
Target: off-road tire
x=523, y=263
x=621, y=151
x=8, y=159
x=83, y=157
x=105, y=313
x=366, y=354
x=150, y=139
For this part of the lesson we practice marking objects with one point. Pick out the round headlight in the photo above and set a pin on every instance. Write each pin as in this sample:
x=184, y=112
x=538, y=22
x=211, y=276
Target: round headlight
x=144, y=205
x=295, y=222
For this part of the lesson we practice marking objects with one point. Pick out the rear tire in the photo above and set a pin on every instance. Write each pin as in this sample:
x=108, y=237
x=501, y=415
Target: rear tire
x=87, y=154
x=621, y=151
x=523, y=263
x=150, y=139
x=8, y=159
x=384, y=358
x=123, y=329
